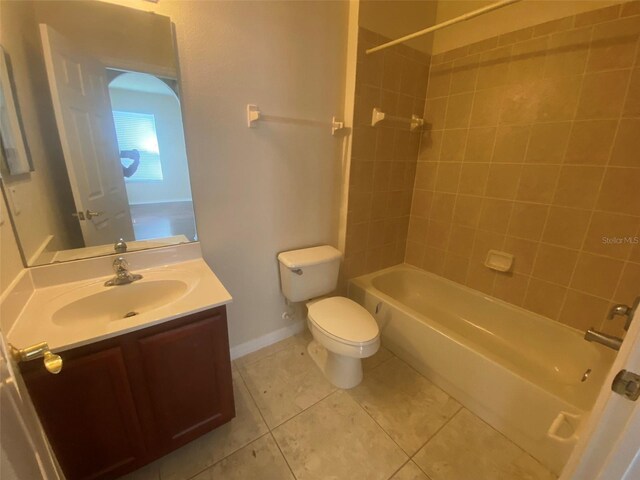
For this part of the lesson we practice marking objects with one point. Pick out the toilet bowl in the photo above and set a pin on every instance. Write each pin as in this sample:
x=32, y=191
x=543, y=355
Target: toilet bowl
x=343, y=332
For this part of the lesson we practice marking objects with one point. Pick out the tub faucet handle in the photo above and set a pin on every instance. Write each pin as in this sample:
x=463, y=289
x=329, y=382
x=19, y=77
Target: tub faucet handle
x=624, y=311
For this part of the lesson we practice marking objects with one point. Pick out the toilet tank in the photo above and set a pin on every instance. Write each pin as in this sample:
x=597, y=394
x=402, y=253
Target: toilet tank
x=309, y=272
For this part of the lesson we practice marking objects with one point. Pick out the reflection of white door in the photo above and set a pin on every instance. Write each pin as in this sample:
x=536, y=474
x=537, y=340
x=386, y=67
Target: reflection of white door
x=24, y=453
x=609, y=444
x=80, y=94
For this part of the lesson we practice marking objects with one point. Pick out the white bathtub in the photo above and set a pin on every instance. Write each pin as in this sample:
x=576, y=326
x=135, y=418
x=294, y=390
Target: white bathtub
x=520, y=372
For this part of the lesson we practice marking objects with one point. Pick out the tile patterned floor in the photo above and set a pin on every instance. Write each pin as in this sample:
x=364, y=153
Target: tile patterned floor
x=293, y=424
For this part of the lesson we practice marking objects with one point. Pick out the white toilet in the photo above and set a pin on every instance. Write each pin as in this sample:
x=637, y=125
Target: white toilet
x=343, y=331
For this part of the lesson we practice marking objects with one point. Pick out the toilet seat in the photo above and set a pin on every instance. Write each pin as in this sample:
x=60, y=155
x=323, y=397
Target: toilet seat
x=344, y=321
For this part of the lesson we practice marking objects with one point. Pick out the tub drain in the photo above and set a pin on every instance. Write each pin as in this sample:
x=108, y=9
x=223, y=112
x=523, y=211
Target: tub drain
x=130, y=314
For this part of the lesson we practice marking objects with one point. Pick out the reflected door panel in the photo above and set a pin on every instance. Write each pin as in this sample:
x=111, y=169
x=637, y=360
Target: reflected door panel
x=79, y=90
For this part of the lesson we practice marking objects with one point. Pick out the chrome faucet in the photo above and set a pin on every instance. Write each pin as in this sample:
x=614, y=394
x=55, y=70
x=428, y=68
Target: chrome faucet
x=610, y=341
x=123, y=275
x=120, y=246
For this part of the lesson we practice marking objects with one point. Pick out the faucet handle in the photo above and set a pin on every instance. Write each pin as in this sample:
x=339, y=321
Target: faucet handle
x=625, y=311
x=120, y=264
x=619, y=309
x=120, y=246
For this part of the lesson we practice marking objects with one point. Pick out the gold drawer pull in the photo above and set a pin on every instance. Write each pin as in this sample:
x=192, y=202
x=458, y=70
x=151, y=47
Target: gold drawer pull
x=52, y=362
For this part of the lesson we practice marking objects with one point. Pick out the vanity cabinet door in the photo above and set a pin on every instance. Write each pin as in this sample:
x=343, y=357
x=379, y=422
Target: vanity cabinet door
x=186, y=374
x=88, y=413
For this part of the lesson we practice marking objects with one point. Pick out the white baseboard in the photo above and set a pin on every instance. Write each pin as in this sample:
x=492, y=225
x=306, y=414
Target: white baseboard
x=266, y=340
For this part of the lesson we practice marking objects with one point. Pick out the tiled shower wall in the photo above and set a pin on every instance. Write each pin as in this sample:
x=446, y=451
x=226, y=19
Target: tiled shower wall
x=383, y=161
x=534, y=149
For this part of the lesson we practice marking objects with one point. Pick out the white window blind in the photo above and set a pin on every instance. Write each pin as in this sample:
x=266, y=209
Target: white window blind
x=138, y=130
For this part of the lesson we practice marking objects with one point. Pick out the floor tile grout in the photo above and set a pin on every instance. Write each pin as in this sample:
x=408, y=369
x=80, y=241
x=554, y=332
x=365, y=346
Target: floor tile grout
x=283, y=455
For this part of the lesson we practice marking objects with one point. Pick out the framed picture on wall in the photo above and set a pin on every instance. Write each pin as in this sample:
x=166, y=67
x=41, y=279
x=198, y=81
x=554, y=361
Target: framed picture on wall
x=14, y=150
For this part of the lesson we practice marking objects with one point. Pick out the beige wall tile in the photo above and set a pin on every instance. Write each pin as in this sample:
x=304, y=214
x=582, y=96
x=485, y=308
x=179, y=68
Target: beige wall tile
x=524, y=253
x=421, y=203
x=495, y=214
x=493, y=68
x=464, y=74
x=484, y=242
x=583, y=311
x=553, y=26
x=597, y=275
x=590, y=142
x=614, y=44
x=455, y=268
x=566, y=227
x=458, y=110
x=433, y=260
x=554, y=264
x=528, y=220
x=453, y=145
x=602, y=94
x=568, y=52
x=522, y=146
x=626, y=149
x=438, y=234
x=442, y=207
x=502, y=181
x=544, y=298
x=537, y=183
x=480, y=277
x=448, y=177
x=558, y=98
x=520, y=104
x=461, y=241
x=473, y=178
x=619, y=192
x=510, y=287
x=435, y=111
x=527, y=61
x=511, y=143
x=578, y=186
x=629, y=287
x=548, y=142
x=484, y=112
x=439, y=81
x=467, y=210
x=426, y=174
x=414, y=253
x=630, y=8
x=480, y=143
x=608, y=232
x=597, y=16
x=632, y=105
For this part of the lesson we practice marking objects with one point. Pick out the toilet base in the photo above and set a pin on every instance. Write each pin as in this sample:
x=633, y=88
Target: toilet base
x=342, y=371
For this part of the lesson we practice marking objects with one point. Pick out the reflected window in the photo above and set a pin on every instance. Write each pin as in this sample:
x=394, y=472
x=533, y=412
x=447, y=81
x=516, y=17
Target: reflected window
x=138, y=144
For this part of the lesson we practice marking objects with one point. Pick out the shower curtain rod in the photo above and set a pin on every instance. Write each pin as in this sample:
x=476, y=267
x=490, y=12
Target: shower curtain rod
x=461, y=18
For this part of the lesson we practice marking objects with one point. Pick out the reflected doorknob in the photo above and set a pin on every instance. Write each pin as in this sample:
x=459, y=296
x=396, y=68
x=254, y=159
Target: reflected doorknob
x=91, y=214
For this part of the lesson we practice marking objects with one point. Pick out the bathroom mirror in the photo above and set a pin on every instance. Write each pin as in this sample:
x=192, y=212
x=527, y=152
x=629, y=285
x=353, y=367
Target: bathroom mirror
x=97, y=92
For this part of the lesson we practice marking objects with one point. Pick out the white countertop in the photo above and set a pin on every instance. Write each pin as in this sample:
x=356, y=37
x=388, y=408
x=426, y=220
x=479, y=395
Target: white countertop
x=37, y=320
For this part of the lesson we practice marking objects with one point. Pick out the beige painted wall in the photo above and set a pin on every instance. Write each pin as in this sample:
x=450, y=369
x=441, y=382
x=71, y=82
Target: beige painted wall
x=112, y=34
x=394, y=19
x=10, y=261
x=276, y=187
x=42, y=197
x=508, y=19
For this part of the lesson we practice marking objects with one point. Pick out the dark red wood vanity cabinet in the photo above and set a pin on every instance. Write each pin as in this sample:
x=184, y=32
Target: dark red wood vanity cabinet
x=121, y=403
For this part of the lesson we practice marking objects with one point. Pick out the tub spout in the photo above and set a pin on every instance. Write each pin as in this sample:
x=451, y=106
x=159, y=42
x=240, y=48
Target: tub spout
x=603, y=339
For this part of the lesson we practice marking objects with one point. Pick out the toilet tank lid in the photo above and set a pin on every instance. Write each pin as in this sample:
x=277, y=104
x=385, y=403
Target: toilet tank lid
x=309, y=256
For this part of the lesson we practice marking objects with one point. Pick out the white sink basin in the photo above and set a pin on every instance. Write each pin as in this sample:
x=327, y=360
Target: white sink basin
x=71, y=314
x=118, y=302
